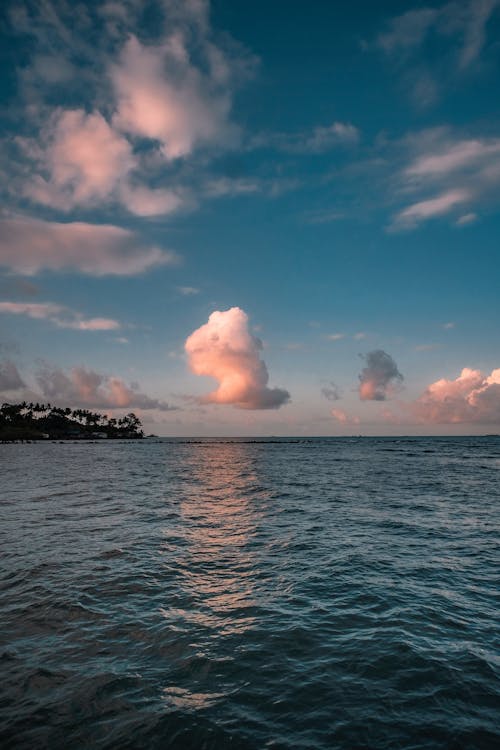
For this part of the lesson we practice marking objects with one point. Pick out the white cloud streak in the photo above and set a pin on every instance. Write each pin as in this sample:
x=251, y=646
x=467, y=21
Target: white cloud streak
x=428, y=209
x=58, y=315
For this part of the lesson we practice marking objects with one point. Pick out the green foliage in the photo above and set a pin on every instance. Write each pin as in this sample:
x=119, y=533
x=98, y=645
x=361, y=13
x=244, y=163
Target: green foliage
x=40, y=421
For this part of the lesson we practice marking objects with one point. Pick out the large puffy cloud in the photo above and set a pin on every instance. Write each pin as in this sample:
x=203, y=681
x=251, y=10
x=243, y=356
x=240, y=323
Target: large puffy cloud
x=10, y=379
x=471, y=397
x=83, y=387
x=379, y=376
x=89, y=162
x=162, y=96
x=86, y=160
x=225, y=349
x=61, y=316
x=28, y=246
x=115, y=100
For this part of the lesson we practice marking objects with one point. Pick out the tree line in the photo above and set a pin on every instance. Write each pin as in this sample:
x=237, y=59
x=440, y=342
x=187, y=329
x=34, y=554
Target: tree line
x=35, y=421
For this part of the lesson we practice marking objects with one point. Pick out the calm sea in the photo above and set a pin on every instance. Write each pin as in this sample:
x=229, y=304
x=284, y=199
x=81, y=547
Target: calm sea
x=322, y=593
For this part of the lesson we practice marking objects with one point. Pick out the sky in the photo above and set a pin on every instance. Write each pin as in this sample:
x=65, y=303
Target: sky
x=254, y=218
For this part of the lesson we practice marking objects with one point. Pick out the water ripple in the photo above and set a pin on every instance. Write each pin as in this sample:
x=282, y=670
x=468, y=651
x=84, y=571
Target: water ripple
x=250, y=594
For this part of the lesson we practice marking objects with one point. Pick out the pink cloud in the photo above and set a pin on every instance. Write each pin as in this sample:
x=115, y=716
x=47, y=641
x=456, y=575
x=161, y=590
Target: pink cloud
x=471, y=397
x=86, y=160
x=83, y=387
x=28, y=246
x=162, y=96
x=225, y=349
x=143, y=201
x=344, y=418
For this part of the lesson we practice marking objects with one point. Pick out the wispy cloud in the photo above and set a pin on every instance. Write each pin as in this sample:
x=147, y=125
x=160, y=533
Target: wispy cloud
x=335, y=336
x=62, y=317
x=317, y=140
x=28, y=246
x=413, y=215
x=461, y=23
x=449, y=174
x=466, y=219
x=450, y=156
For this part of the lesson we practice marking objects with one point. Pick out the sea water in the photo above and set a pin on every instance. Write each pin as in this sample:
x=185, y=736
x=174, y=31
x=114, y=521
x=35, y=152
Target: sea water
x=212, y=594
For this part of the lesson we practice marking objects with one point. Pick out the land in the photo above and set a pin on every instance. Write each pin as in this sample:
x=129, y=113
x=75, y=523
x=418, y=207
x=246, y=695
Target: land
x=28, y=421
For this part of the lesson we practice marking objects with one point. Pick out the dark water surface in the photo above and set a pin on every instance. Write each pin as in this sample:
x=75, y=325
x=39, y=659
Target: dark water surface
x=336, y=593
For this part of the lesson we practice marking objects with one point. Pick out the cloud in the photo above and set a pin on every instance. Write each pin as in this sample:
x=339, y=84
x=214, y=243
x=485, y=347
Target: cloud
x=88, y=163
x=331, y=392
x=62, y=317
x=10, y=379
x=454, y=157
x=188, y=291
x=344, y=418
x=324, y=138
x=85, y=157
x=144, y=201
x=459, y=173
x=225, y=349
x=465, y=20
x=428, y=209
x=162, y=96
x=28, y=246
x=466, y=219
x=83, y=387
x=317, y=140
x=116, y=101
x=221, y=186
x=471, y=398
x=335, y=336
x=407, y=31
x=433, y=48
x=378, y=377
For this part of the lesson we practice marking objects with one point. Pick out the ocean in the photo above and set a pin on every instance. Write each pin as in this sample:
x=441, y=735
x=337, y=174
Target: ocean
x=250, y=594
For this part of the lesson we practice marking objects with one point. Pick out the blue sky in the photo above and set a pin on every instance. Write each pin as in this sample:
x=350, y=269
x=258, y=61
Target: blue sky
x=324, y=177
